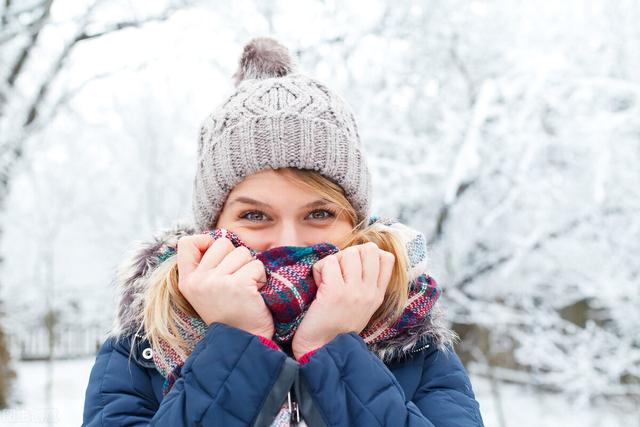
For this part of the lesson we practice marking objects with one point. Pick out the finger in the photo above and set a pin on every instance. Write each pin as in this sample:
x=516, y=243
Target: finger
x=317, y=271
x=369, y=253
x=252, y=273
x=218, y=250
x=351, y=265
x=331, y=272
x=387, y=262
x=234, y=260
x=318, y=266
x=190, y=250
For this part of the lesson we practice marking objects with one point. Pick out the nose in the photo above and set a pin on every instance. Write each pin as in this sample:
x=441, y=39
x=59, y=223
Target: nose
x=288, y=235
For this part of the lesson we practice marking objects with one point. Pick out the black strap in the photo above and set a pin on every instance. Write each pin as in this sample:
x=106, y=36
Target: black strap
x=309, y=410
x=276, y=397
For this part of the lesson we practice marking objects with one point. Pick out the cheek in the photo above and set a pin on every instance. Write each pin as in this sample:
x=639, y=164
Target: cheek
x=254, y=240
x=339, y=232
x=251, y=238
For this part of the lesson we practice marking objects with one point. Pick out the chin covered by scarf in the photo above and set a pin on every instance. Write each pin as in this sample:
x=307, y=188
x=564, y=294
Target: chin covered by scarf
x=290, y=289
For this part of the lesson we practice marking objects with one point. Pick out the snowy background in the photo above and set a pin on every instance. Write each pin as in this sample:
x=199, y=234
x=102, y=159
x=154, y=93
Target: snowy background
x=507, y=130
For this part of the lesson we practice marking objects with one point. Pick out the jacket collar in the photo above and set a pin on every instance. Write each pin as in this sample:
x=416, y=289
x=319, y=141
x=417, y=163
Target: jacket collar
x=132, y=279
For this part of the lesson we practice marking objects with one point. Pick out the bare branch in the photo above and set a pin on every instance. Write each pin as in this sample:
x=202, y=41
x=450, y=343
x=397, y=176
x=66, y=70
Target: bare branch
x=82, y=35
x=69, y=94
x=544, y=239
x=26, y=52
x=464, y=71
x=12, y=149
x=121, y=26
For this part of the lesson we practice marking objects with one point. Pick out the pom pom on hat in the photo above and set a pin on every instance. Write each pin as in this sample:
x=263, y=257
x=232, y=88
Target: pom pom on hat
x=262, y=58
x=277, y=118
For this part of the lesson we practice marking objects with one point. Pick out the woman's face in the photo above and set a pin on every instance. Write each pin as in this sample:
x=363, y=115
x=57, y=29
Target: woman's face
x=268, y=209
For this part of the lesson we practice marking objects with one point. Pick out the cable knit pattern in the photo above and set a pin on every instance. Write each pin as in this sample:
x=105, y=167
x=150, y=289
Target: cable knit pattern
x=276, y=122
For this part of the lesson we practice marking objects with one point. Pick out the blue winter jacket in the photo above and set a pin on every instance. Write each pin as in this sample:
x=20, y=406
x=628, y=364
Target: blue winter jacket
x=233, y=379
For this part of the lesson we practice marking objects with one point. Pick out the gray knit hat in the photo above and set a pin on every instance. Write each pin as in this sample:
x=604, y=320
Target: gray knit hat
x=277, y=118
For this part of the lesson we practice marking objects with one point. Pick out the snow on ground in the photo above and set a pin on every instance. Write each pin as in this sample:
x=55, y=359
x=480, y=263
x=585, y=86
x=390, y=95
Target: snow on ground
x=525, y=407
x=70, y=379
x=522, y=406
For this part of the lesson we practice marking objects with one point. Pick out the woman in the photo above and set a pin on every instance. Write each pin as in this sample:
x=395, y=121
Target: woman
x=286, y=304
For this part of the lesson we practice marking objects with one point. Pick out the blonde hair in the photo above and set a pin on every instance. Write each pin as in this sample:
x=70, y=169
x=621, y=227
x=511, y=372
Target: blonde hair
x=163, y=300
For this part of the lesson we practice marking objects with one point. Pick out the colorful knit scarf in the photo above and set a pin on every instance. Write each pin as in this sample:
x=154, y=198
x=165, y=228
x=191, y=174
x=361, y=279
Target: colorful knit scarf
x=290, y=290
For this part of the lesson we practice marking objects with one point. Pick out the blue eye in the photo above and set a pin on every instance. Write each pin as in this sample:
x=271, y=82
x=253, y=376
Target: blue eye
x=254, y=216
x=258, y=216
x=322, y=214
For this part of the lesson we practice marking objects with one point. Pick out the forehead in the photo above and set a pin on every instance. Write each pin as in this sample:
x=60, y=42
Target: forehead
x=273, y=188
x=267, y=179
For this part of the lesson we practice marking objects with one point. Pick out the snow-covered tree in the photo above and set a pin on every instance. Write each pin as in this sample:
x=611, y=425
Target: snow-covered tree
x=509, y=132
x=38, y=40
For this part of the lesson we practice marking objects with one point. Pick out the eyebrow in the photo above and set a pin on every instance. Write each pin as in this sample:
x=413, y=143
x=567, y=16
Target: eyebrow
x=250, y=201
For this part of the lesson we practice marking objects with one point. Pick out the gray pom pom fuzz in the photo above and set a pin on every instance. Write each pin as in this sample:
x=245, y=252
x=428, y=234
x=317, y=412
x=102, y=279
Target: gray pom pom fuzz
x=262, y=58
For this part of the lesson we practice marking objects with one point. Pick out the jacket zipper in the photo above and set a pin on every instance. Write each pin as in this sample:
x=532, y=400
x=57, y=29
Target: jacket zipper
x=293, y=407
x=419, y=349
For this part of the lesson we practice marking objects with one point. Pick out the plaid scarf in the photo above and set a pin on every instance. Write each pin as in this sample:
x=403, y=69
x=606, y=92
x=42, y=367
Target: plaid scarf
x=290, y=289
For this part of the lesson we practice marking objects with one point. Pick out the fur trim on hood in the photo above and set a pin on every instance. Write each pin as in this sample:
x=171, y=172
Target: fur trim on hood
x=132, y=281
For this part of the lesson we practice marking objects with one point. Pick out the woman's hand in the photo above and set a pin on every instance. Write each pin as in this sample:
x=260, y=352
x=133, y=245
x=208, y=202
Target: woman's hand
x=351, y=287
x=222, y=285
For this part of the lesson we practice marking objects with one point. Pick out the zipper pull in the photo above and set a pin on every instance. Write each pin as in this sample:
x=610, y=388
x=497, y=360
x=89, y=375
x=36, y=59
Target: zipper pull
x=293, y=407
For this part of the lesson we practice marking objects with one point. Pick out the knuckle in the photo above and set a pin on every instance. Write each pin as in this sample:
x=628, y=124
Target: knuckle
x=351, y=250
x=388, y=256
x=243, y=251
x=371, y=246
x=257, y=264
x=183, y=241
x=251, y=267
x=225, y=243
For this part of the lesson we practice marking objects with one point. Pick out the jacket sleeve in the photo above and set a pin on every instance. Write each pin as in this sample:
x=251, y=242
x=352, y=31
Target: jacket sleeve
x=351, y=386
x=226, y=381
x=445, y=395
